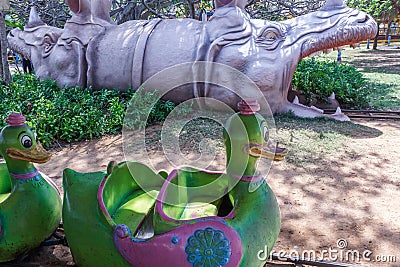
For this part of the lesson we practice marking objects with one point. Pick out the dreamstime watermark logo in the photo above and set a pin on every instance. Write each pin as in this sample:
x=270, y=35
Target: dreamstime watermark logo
x=213, y=88
x=341, y=253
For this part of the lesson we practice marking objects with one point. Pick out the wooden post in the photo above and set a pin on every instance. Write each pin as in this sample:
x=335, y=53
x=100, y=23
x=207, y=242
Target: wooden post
x=375, y=45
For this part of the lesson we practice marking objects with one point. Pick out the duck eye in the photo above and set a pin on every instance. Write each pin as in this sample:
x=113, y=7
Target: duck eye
x=26, y=141
x=266, y=134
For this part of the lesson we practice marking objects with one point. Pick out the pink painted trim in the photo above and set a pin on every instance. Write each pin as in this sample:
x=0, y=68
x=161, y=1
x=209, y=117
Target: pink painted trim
x=16, y=119
x=100, y=202
x=139, y=252
x=33, y=174
x=162, y=195
x=25, y=176
x=249, y=178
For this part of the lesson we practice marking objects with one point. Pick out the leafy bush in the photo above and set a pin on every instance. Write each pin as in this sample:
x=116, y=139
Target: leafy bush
x=137, y=111
x=70, y=114
x=322, y=77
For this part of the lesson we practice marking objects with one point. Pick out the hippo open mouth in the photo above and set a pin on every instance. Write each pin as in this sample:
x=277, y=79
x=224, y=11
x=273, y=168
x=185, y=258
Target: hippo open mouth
x=334, y=28
x=17, y=45
x=36, y=35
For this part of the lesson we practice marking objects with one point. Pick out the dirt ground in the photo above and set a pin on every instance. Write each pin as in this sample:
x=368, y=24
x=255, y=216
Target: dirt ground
x=353, y=196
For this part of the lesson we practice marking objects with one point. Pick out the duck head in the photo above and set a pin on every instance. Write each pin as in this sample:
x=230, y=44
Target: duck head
x=246, y=140
x=19, y=145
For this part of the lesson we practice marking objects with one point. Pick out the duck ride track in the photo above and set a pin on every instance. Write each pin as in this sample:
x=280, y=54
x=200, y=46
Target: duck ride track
x=276, y=260
x=58, y=238
x=368, y=114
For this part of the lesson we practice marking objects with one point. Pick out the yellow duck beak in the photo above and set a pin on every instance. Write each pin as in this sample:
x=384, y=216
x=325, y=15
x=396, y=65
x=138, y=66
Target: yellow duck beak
x=36, y=154
x=267, y=151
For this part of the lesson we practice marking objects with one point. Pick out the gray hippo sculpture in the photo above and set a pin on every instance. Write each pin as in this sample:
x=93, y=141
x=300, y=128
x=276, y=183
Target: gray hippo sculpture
x=93, y=51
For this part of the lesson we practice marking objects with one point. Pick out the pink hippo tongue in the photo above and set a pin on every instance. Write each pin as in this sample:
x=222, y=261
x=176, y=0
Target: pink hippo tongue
x=248, y=107
x=16, y=119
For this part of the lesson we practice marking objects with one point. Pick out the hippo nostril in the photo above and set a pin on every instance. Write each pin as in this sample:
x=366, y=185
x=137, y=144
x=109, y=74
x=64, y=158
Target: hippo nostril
x=11, y=34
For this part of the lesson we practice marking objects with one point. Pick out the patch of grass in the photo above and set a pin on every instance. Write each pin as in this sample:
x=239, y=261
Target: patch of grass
x=310, y=140
x=381, y=69
x=198, y=130
x=385, y=90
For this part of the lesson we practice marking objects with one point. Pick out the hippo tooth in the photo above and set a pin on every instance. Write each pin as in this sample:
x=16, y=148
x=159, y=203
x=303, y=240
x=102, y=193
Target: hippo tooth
x=296, y=100
x=338, y=111
x=332, y=96
x=339, y=115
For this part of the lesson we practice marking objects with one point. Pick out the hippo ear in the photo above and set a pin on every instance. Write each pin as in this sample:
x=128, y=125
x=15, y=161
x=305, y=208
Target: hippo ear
x=333, y=4
x=34, y=19
x=91, y=9
x=78, y=6
x=101, y=9
x=73, y=5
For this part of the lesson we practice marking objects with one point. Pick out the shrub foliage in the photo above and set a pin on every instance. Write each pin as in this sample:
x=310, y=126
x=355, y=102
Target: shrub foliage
x=322, y=77
x=69, y=114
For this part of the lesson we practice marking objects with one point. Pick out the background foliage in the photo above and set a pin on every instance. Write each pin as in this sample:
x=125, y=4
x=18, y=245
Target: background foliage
x=70, y=114
x=56, y=12
x=382, y=10
x=279, y=9
x=323, y=77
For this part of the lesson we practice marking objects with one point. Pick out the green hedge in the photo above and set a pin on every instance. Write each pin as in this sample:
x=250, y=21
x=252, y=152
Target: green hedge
x=322, y=77
x=69, y=114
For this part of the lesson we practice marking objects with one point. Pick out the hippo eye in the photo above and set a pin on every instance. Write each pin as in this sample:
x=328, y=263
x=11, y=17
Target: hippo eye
x=270, y=37
x=26, y=141
x=266, y=134
x=48, y=44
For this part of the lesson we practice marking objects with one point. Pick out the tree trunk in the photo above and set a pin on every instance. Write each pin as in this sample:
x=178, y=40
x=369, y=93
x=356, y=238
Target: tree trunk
x=6, y=74
x=388, y=30
x=375, y=47
x=192, y=10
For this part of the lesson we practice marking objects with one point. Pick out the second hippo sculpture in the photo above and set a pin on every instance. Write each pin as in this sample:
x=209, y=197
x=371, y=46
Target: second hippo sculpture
x=93, y=51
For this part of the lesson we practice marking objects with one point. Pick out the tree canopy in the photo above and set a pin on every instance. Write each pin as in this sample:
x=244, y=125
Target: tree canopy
x=279, y=9
x=381, y=10
x=52, y=12
x=56, y=12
